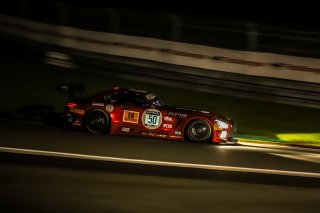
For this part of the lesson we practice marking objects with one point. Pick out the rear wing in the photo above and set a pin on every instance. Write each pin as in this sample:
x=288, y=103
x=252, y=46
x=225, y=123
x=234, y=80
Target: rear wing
x=74, y=90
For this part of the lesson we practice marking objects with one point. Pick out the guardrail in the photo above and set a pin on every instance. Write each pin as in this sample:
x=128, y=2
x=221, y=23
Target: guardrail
x=236, y=73
x=191, y=55
x=175, y=26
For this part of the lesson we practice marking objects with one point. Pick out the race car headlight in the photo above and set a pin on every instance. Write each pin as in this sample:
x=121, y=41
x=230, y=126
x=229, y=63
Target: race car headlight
x=221, y=124
x=223, y=135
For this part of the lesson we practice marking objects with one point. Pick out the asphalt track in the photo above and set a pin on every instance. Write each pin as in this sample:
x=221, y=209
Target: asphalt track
x=48, y=169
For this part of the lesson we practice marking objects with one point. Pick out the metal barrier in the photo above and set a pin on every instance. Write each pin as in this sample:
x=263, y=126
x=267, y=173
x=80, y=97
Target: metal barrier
x=250, y=87
x=72, y=47
x=188, y=28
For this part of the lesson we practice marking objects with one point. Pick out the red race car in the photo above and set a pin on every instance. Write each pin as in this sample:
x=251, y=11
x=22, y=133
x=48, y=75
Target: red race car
x=131, y=112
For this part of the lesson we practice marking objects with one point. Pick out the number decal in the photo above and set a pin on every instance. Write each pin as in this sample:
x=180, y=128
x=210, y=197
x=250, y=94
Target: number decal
x=152, y=118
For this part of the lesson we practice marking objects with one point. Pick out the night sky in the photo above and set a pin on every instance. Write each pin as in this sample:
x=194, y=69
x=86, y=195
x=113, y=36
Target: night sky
x=294, y=14
x=297, y=14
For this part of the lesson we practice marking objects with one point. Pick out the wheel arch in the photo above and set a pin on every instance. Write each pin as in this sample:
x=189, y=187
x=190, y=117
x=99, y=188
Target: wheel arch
x=185, y=127
x=100, y=110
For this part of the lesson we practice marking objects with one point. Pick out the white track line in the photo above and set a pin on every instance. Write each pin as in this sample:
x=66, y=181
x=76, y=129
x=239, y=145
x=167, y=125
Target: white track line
x=159, y=163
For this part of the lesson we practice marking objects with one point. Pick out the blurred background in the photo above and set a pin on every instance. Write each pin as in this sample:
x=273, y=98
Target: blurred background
x=257, y=63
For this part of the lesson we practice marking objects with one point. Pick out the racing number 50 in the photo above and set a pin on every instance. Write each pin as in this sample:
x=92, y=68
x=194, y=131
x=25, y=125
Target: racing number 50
x=152, y=119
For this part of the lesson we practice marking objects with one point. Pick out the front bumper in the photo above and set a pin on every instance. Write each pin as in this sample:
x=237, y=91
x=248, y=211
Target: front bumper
x=232, y=140
x=226, y=136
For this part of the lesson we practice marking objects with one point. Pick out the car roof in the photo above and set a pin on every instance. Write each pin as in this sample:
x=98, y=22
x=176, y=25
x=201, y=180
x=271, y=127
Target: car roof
x=131, y=91
x=122, y=90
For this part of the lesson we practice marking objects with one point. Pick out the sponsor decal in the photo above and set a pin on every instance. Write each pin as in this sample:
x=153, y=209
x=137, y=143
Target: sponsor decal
x=205, y=112
x=151, y=118
x=97, y=104
x=167, y=118
x=136, y=131
x=175, y=136
x=149, y=134
x=161, y=135
x=130, y=116
x=150, y=96
x=178, y=114
x=168, y=126
x=109, y=108
x=177, y=133
x=125, y=129
x=153, y=134
x=77, y=111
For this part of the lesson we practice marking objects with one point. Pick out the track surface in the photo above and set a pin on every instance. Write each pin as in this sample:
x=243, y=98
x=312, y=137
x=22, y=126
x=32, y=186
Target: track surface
x=51, y=184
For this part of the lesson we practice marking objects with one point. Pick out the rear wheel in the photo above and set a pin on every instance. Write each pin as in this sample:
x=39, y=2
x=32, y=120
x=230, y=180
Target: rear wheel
x=97, y=121
x=199, y=130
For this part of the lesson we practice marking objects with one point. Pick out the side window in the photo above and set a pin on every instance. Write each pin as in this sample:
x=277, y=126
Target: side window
x=113, y=97
x=124, y=98
x=107, y=97
x=131, y=99
x=141, y=101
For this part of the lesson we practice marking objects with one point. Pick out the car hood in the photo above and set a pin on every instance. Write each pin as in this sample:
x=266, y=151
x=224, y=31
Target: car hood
x=183, y=112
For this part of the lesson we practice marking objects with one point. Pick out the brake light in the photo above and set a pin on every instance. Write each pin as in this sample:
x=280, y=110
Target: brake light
x=71, y=105
x=116, y=88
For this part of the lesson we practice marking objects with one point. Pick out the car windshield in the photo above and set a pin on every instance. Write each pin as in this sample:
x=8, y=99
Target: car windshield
x=159, y=103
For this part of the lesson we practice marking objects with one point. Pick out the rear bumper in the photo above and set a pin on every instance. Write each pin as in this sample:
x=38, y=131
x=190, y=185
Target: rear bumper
x=71, y=120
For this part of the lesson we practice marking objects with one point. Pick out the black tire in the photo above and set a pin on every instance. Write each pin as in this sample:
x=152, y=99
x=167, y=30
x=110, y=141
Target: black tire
x=96, y=121
x=199, y=130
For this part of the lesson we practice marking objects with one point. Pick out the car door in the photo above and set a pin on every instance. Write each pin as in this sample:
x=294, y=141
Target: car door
x=130, y=111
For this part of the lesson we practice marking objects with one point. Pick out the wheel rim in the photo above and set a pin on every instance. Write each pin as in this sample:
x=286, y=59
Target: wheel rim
x=199, y=131
x=96, y=121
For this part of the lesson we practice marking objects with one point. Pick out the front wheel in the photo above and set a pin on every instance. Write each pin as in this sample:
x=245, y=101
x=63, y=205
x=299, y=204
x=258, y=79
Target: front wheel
x=97, y=121
x=199, y=130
